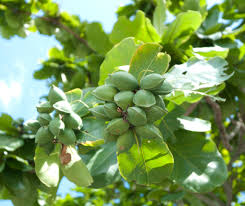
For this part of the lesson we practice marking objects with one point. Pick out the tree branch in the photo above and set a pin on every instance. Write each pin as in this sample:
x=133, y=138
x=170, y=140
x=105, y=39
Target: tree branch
x=218, y=119
x=213, y=196
x=67, y=29
x=207, y=200
x=55, y=21
x=191, y=108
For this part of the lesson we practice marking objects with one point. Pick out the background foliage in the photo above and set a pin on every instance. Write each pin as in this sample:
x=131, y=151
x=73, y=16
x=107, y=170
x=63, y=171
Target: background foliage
x=215, y=36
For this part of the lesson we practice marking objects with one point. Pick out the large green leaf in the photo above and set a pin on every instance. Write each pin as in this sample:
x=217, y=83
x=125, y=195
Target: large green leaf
x=182, y=28
x=170, y=123
x=194, y=124
x=103, y=166
x=159, y=16
x=97, y=38
x=22, y=188
x=10, y=143
x=148, y=59
x=76, y=171
x=147, y=162
x=187, y=79
x=6, y=124
x=211, y=51
x=80, y=108
x=140, y=28
x=47, y=166
x=198, y=165
x=93, y=130
x=119, y=55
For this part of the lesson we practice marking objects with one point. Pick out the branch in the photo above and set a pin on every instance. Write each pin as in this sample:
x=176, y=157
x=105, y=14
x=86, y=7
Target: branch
x=212, y=195
x=191, y=108
x=218, y=119
x=67, y=29
x=207, y=200
x=55, y=21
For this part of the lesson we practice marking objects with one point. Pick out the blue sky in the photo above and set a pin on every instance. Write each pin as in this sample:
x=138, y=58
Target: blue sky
x=20, y=57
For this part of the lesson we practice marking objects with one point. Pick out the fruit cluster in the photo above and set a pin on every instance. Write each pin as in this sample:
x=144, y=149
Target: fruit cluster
x=62, y=127
x=132, y=108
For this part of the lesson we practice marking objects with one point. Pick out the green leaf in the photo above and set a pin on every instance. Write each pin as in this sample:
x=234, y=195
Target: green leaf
x=97, y=38
x=119, y=55
x=169, y=124
x=6, y=124
x=159, y=16
x=182, y=28
x=103, y=166
x=90, y=99
x=195, y=5
x=202, y=166
x=47, y=166
x=147, y=162
x=80, y=108
x=194, y=124
x=93, y=130
x=10, y=143
x=16, y=162
x=173, y=196
x=187, y=80
x=211, y=51
x=22, y=188
x=76, y=171
x=140, y=28
x=148, y=59
x=73, y=95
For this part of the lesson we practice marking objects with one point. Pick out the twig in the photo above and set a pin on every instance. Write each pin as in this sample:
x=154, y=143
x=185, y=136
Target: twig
x=67, y=29
x=207, y=200
x=213, y=196
x=218, y=119
x=55, y=20
x=191, y=109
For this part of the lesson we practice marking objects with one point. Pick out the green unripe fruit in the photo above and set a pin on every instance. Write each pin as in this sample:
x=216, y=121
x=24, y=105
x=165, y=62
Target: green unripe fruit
x=99, y=112
x=110, y=110
x=124, y=99
x=43, y=136
x=55, y=95
x=33, y=125
x=125, y=141
x=136, y=116
x=165, y=89
x=44, y=119
x=73, y=121
x=124, y=81
x=109, y=82
x=109, y=137
x=67, y=137
x=160, y=102
x=154, y=113
x=117, y=126
x=45, y=107
x=63, y=107
x=144, y=98
x=151, y=81
x=56, y=126
x=148, y=131
x=105, y=92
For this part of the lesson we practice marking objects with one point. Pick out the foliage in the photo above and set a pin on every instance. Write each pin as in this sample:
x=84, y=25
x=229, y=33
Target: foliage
x=200, y=134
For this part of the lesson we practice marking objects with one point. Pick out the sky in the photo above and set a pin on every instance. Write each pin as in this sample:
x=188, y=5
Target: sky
x=19, y=92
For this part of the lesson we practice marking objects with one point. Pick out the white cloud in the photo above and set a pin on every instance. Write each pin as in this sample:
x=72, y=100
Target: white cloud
x=9, y=92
